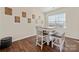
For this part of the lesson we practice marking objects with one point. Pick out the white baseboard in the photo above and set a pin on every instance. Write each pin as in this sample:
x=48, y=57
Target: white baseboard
x=35, y=34
x=21, y=38
x=73, y=37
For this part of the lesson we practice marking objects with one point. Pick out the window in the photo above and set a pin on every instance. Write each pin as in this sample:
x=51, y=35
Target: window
x=56, y=20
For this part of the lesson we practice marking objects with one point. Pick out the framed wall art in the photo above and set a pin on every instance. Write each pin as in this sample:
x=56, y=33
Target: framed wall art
x=33, y=16
x=29, y=20
x=17, y=19
x=23, y=14
x=39, y=17
x=8, y=11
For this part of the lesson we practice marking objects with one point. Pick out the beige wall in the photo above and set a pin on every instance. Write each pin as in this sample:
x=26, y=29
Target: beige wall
x=19, y=30
x=72, y=20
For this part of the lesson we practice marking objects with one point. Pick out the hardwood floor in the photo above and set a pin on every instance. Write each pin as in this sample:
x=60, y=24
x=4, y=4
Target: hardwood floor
x=28, y=45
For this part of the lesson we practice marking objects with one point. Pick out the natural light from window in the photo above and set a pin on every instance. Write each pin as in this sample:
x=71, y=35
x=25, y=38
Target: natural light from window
x=56, y=20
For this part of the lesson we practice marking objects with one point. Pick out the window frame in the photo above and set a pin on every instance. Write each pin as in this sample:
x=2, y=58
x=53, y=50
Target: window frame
x=56, y=22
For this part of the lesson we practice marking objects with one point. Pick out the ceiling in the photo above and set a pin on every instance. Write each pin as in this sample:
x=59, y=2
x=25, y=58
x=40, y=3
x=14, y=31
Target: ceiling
x=47, y=9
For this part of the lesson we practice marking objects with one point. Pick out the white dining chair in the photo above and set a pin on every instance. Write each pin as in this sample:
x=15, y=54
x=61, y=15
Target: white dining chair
x=58, y=39
x=41, y=37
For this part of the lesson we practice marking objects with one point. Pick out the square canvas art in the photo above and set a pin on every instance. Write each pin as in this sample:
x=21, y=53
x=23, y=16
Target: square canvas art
x=33, y=16
x=23, y=14
x=8, y=11
x=29, y=20
x=17, y=19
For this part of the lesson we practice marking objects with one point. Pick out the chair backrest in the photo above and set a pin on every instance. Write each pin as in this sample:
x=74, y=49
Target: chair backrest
x=39, y=31
x=60, y=30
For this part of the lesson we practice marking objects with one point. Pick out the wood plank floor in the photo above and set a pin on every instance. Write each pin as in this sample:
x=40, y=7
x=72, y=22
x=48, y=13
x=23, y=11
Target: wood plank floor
x=28, y=45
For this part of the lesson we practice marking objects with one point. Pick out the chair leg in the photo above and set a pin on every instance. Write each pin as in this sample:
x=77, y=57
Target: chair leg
x=47, y=42
x=61, y=48
x=36, y=42
x=52, y=42
x=52, y=45
x=41, y=47
x=42, y=43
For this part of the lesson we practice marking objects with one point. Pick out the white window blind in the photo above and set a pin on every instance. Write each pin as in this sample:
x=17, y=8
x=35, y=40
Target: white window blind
x=56, y=20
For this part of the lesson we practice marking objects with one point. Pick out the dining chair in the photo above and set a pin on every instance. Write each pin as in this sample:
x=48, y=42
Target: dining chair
x=58, y=40
x=41, y=37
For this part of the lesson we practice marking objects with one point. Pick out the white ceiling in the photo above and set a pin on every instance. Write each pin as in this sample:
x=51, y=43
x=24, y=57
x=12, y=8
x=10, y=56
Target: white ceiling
x=47, y=9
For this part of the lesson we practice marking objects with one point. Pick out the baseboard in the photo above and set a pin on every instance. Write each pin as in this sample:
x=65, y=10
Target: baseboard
x=35, y=35
x=23, y=38
x=72, y=38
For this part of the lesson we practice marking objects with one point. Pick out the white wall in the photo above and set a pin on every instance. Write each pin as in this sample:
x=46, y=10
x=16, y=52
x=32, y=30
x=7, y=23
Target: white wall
x=18, y=30
x=72, y=20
